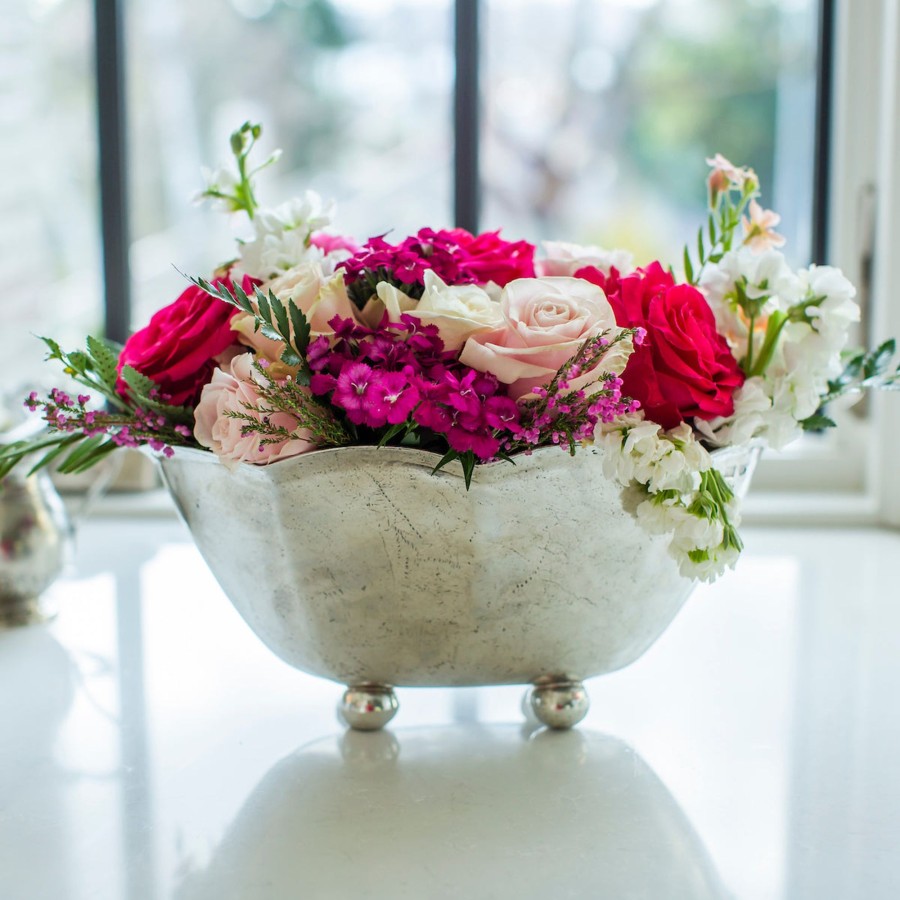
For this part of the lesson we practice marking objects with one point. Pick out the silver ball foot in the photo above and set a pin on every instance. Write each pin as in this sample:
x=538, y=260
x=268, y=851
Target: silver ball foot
x=559, y=704
x=368, y=707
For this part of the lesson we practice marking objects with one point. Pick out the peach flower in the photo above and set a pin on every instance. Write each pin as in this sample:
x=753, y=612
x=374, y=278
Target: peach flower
x=319, y=297
x=759, y=228
x=234, y=389
x=546, y=320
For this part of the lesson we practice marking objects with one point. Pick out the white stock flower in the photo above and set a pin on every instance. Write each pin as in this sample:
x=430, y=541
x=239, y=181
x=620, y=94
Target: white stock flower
x=669, y=465
x=219, y=181
x=281, y=239
x=762, y=275
x=640, y=450
x=710, y=568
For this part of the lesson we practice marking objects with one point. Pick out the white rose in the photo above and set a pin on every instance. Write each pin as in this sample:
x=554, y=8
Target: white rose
x=458, y=311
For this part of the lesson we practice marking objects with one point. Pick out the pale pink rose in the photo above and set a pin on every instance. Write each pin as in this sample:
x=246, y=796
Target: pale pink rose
x=567, y=259
x=546, y=320
x=234, y=389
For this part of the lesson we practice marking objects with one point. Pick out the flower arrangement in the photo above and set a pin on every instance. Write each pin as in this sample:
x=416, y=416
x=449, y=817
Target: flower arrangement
x=475, y=348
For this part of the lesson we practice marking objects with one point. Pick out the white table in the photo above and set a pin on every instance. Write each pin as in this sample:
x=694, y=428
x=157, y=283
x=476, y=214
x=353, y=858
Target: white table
x=152, y=748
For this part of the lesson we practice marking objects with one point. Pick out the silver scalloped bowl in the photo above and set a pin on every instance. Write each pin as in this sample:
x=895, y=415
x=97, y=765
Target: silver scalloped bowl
x=359, y=565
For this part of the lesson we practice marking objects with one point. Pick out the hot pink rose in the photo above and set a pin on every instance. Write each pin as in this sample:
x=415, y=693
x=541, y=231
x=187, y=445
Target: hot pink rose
x=546, y=320
x=685, y=367
x=234, y=389
x=179, y=346
x=487, y=257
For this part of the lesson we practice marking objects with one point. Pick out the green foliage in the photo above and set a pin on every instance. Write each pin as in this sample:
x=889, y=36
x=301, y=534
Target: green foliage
x=467, y=460
x=290, y=397
x=143, y=393
x=95, y=368
x=275, y=320
x=817, y=422
x=865, y=369
x=83, y=452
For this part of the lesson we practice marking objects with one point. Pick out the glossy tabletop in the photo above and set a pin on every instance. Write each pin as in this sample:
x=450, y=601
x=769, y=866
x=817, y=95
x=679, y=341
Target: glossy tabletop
x=152, y=748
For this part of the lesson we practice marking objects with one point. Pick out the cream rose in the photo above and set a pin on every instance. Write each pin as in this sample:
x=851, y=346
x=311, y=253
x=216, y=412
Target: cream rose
x=234, y=389
x=458, y=311
x=319, y=297
x=546, y=320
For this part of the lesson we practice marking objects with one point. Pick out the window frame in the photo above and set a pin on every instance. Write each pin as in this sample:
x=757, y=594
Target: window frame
x=855, y=225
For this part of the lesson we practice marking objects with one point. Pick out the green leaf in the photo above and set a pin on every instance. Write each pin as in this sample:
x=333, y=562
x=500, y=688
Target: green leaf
x=701, y=250
x=139, y=384
x=263, y=306
x=817, y=422
x=48, y=457
x=105, y=362
x=468, y=464
x=79, y=361
x=280, y=313
x=688, y=268
x=289, y=357
x=301, y=326
x=55, y=349
x=448, y=457
x=90, y=451
x=876, y=361
x=23, y=448
x=140, y=388
x=392, y=432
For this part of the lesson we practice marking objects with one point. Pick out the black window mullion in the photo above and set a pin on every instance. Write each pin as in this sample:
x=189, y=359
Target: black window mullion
x=822, y=150
x=466, y=181
x=112, y=166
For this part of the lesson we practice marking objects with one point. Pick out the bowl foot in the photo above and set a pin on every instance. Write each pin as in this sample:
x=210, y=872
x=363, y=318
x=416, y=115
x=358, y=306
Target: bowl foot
x=368, y=707
x=560, y=704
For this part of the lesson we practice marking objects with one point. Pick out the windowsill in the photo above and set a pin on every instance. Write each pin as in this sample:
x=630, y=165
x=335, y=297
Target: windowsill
x=786, y=509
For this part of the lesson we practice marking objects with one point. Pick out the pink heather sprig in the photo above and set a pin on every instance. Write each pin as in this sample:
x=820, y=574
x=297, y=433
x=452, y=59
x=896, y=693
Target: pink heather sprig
x=567, y=417
x=124, y=429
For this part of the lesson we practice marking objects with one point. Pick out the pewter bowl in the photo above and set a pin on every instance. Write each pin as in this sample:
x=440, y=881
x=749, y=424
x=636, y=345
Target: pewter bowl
x=360, y=565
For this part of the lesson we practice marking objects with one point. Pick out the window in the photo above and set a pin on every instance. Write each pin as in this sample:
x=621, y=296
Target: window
x=595, y=118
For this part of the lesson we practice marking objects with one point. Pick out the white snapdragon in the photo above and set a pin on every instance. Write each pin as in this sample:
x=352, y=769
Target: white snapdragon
x=281, y=236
